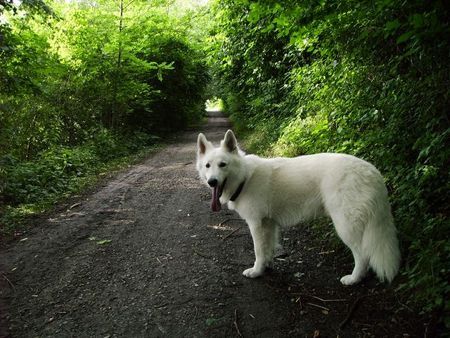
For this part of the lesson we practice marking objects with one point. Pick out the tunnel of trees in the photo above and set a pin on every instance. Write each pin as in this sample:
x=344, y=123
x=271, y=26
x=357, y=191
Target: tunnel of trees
x=86, y=83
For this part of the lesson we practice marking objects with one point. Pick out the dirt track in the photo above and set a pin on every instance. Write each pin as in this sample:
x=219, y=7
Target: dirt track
x=144, y=256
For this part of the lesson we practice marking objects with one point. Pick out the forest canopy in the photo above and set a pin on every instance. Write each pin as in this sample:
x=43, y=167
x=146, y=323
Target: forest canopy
x=84, y=83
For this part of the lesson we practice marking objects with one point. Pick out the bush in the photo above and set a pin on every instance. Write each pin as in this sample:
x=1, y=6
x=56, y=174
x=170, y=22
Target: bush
x=60, y=170
x=39, y=180
x=357, y=77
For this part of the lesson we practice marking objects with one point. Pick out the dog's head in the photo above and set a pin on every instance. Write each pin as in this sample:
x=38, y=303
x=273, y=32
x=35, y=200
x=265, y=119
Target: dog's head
x=217, y=165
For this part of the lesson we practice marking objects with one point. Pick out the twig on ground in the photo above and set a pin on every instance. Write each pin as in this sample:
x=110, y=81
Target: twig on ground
x=318, y=298
x=236, y=324
x=201, y=254
x=350, y=312
x=74, y=205
x=403, y=305
x=328, y=300
x=9, y=282
x=235, y=230
x=319, y=306
x=326, y=252
x=230, y=219
x=196, y=312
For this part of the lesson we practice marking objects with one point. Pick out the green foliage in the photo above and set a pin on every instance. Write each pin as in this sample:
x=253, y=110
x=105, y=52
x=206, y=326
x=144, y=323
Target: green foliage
x=36, y=181
x=360, y=77
x=90, y=66
x=29, y=187
x=58, y=170
x=83, y=84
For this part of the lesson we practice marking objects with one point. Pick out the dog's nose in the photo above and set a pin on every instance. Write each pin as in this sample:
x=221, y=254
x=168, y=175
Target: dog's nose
x=212, y=182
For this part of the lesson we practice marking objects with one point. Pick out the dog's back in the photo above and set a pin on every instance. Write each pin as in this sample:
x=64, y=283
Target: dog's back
x=348, y=189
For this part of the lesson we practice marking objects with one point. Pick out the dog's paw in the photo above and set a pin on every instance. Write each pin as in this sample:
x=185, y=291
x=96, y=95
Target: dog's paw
x=349, y=280
x=252, y=273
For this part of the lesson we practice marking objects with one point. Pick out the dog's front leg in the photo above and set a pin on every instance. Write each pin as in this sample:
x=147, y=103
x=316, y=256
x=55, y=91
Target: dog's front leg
x=264, y=234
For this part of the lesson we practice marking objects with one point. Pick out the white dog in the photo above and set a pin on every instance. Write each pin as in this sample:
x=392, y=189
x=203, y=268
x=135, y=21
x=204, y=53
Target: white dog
x=269, y=193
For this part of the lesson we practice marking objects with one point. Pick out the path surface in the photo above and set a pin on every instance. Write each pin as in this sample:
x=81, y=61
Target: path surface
x=144, y=256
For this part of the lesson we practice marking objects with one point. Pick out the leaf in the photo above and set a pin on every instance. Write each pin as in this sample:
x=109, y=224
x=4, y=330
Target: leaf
x=404, y=37
x=417, y=20
x=211, y=321
x=100, y=242
x=159, y=75
x=392, y=25
x=255, y=13
x=103, y=241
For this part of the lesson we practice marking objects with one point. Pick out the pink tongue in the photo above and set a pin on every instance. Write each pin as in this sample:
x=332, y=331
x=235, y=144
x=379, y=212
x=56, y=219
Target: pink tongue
x=215, y=203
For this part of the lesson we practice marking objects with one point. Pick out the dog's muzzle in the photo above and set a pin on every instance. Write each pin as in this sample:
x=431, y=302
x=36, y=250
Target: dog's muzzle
x=213, y=182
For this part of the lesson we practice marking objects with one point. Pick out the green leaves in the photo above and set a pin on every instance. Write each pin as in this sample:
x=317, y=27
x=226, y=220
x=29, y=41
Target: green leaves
x=357, y=77
x=256, y=10
x=161, y=68
x=404, y=37
x=80, y=72
x=391, y=28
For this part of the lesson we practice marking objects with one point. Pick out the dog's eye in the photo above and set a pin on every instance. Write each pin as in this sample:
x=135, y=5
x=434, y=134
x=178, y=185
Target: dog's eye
x=208, y=165
x=222, y=164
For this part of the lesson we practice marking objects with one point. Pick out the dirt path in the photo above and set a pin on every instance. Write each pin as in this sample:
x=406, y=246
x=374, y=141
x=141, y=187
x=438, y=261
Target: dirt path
x=145, y=257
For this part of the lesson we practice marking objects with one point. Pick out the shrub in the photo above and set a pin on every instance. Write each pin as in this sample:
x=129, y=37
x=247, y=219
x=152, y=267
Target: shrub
x=357, y=77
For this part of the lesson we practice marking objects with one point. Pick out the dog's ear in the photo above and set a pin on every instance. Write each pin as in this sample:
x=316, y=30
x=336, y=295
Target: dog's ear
x=202, y=144
x=229, y=141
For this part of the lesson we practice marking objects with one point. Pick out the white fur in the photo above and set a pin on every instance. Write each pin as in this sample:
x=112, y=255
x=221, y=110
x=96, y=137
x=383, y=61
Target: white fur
x=287, y=191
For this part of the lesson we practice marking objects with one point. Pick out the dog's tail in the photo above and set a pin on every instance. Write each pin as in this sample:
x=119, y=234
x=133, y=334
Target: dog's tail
x=380, y=243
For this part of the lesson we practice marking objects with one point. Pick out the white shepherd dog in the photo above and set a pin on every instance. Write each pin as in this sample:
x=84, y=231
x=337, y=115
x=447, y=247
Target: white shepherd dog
x=269, y=193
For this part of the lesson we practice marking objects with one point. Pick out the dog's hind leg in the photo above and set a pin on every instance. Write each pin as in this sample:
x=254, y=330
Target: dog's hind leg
x=359, y=271
x=351, y=233
x=265, y=240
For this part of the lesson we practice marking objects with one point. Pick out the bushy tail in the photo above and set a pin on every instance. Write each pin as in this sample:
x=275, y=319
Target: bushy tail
x=380, y=243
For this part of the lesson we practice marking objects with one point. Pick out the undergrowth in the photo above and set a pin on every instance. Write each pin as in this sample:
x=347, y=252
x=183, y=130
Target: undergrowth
x=33, y=187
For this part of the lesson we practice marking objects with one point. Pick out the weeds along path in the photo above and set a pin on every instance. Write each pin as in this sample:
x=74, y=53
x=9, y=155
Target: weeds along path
x=144, y=256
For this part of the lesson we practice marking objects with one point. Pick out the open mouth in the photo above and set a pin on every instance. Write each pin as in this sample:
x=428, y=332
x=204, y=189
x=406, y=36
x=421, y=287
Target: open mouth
x=215, y=201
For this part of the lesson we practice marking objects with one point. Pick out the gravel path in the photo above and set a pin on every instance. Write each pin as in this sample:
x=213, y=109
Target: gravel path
x=143, y=256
